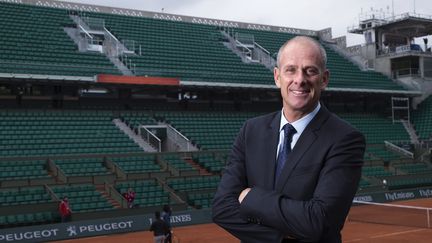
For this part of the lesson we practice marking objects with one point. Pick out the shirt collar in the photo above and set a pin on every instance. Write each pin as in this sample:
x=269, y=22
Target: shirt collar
x=301, y=123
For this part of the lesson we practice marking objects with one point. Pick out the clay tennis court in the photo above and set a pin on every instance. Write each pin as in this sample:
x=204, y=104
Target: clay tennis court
x=353, y=232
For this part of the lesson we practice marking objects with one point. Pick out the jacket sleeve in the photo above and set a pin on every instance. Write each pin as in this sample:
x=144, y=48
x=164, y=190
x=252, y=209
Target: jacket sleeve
x=226, y=206
x=336, y=186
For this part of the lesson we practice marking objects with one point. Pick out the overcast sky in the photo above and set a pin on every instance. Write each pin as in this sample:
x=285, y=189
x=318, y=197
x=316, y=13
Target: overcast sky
x=303, y=14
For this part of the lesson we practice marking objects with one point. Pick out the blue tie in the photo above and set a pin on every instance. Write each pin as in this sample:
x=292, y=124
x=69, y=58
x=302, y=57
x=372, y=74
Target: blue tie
x=289, y=131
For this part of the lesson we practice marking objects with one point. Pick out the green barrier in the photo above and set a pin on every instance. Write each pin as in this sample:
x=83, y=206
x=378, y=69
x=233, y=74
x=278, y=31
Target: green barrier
x=90, y=228
x=391, y=196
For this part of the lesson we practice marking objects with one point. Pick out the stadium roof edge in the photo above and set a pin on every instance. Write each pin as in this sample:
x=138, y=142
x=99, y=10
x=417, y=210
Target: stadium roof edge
x=202, y=84
x=47, y=77
x=163, y=16
x=272, y=86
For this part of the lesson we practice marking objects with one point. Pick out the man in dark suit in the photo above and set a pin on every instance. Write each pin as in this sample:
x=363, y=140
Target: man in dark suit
x=292, y=174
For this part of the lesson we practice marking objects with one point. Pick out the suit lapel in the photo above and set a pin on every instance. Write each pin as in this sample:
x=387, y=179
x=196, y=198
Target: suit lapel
x=271, y=141
x=306, y=139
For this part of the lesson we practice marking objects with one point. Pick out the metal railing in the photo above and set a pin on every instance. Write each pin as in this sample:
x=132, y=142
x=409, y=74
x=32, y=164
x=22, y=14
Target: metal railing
x=150, y=138
x=264, y=56
x=110, y=44
x=394, y=147
x=114, y=194
x=387, y=20
x=130, y=46
x=262, y=48
x=53, y=66
x=354, y=50
x=249, y=50
x=406, y=72
x=401, y=51
x=128, y=63
x=94, y=23
x=247, y=39
x=245, y=50
x=425, y=144
x=179, y=139
x=117, y=48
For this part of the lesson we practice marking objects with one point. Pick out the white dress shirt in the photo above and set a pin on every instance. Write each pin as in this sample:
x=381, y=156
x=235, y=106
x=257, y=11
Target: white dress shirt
x=299, y=126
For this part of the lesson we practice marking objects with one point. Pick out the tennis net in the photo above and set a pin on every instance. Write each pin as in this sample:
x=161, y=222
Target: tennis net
x=391, y=214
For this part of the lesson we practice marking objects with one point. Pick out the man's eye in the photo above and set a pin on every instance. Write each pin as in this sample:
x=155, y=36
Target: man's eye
x=290, y=70
x=311, y=71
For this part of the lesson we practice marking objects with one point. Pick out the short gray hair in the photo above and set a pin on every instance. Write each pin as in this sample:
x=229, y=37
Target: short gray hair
x=302, y=38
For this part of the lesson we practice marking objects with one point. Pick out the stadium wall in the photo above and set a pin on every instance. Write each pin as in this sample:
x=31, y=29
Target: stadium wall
x=29, y=208
x=89, y=228
x=392, y=196
x=142, y=222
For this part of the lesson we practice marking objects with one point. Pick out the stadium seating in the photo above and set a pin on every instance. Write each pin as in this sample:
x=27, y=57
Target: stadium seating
x=422, y=119
x=82, y=140
x=199, y=190
x=376, y=171
x=379, y=152
x=270, y=40
x=217, y=130
x=344, y=74
x=82, y=166
x=83, y=197
x=135, y=118
x=191, y=52
x=148, y=192
x=34, y=42
x=140, y=164
x=37, y=133
x=200, y=200
x=193, y=183
x=187, y=51
x=23, y=170
x=178, y=163
x=27, y=219
x=376, y=128
x=363, y=183
x=209, y=130
x=213, y=163
x=410, y=168
x=394, y=183
x=25, y=195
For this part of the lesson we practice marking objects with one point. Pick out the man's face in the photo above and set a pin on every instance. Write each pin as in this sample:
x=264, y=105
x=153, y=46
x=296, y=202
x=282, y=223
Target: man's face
x=301, y=78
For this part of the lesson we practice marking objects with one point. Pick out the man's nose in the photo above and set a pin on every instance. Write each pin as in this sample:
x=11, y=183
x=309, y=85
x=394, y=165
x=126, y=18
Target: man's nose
x=300, y=77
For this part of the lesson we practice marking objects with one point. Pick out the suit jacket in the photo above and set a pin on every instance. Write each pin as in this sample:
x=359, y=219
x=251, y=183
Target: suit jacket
x=312, y=197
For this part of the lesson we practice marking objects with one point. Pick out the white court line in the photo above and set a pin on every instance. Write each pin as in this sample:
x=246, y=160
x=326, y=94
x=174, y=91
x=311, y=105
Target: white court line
x=355, y=240
x=385, y=235
x=398, y=233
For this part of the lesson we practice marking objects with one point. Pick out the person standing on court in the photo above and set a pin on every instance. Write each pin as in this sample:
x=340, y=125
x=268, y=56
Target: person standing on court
x=292, y=174
x=166, y=217
x=159, y=228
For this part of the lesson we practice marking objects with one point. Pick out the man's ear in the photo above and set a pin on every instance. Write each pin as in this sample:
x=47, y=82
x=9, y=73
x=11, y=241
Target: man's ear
x=276, y=76
x=325, y=79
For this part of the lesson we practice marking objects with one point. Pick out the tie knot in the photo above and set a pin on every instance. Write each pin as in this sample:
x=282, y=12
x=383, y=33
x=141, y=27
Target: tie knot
x=289, y=130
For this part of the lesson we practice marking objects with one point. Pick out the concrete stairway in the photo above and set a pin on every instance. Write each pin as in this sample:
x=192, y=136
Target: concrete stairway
x=135, y=137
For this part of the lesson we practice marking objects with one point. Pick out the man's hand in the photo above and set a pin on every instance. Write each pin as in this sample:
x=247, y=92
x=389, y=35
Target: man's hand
x=243, y=194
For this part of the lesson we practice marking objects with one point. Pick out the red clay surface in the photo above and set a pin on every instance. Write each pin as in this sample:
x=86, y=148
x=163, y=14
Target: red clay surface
x=353, y=232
